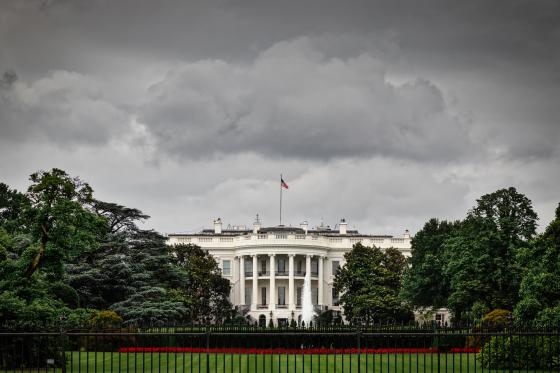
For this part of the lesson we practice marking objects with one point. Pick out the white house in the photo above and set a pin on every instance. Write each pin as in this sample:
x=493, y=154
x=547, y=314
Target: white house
x=267, y=265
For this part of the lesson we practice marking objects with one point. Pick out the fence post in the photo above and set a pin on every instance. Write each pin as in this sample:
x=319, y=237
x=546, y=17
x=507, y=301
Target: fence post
x=62, y=342
x=510, y=336
x=359, y=336
x=437, y=345
x=207, y=349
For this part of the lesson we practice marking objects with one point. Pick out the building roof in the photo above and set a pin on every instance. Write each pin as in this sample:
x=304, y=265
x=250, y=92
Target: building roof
x=320, y=231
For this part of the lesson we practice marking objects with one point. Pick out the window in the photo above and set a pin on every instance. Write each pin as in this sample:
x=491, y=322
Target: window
x=315, y=267
x=281, y=265
x=248, y=267
x=248, y=295
x=335, y=267
x=298, y=296
x=282, y=322
x=335, y=298
x=263, y=296
x=226, y=267
x=299, y=266
x=281, y=295
x=314, y=296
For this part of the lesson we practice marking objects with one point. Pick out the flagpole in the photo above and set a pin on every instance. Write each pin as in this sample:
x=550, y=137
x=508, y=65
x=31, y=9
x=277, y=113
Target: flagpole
x=280, y=199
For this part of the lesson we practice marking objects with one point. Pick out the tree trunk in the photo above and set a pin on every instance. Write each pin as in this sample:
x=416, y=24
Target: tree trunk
x=39, y=257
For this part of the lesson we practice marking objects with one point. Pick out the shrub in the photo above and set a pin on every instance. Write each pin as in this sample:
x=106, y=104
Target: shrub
x=525, y=352
x=494, y=321
x=105, y=320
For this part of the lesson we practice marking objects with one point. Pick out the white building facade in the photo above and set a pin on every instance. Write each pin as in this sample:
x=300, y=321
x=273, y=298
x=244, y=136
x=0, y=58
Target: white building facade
x=267, y=266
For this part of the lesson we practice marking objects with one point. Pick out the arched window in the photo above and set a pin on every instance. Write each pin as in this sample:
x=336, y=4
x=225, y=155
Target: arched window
x=262, y=321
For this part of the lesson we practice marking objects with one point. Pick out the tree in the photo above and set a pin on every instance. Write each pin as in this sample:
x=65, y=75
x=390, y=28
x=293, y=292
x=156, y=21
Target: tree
x=474, y=274
x=510, y=212
x=370, y=283
x=480, y=254
x=11, y=204
x=425, y=284
x=58, y=219
x=540, y=287
x=206, y=294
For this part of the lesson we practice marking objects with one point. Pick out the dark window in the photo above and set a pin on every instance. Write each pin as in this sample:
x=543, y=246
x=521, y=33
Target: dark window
x=282, y=295
x=298, y=296
x=315, y=267
x=335, y=298
x=281, y=265
x=263, y=296
x=335, y=266
x=314, y=296
x=248, y=294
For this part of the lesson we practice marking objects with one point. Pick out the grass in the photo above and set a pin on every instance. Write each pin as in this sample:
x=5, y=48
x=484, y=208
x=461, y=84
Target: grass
x=171, y=362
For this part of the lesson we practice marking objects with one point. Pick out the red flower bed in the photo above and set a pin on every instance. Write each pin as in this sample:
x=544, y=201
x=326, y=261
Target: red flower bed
x=465, y=350
x=291, y=351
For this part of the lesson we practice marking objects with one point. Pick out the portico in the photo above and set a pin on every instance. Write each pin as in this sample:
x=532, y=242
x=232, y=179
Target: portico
x=268, y=276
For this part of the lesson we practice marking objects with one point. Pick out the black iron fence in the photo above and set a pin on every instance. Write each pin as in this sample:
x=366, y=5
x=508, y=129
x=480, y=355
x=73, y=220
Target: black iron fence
x=248, y=349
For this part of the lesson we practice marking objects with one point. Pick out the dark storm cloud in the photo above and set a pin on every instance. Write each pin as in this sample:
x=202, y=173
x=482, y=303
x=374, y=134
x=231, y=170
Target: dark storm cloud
x=414, y=109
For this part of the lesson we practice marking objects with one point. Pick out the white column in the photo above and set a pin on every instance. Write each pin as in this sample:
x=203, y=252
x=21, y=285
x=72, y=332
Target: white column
x=320, y=280
x=308, y=265
x=291, y=293
x=241, y=280
x=272, y=301
x=254, y=300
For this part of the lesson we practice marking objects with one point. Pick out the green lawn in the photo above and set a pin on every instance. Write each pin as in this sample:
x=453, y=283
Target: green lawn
x=171, y=362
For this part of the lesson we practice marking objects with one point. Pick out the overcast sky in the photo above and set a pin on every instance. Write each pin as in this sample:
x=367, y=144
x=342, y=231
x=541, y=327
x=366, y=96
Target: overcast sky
x=385, y=113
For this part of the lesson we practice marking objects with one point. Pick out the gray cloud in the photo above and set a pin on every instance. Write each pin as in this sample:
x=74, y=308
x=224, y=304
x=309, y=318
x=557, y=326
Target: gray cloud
x=294, y=101
x=63, y=108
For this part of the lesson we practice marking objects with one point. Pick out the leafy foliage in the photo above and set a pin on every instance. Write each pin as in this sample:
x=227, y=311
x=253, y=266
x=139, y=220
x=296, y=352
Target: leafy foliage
x=521, y=352
x=540, y=287
x=425, y=284
x=370, y=282
x=64, y=255
x=206, y=295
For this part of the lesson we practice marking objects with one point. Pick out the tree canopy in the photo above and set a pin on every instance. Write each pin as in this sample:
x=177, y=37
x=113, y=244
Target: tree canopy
x=473, y=266
x=64, y=253
x=370, y=282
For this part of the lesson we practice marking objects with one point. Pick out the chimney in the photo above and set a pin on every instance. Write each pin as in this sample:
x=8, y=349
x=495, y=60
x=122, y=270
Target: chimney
x=218, y=226
x=303, y=225
x=406, y=234
x=342, y=226
x=256, y=225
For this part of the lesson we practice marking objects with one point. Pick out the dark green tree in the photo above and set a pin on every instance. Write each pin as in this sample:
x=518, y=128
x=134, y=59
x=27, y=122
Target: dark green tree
x=540, y=287
x=130, y=271
x=510, y=212
x=370, y=283
x=206, y=295
x=481, y=255
x=12, y=203
x=425, y=284
x=58, y=220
